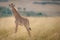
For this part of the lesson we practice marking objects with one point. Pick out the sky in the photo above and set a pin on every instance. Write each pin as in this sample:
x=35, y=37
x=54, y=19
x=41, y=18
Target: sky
x=33, y=7
x=27, y=0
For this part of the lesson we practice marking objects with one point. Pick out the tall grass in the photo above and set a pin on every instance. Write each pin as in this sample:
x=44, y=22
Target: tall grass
x=42, y=29
x=3, y=34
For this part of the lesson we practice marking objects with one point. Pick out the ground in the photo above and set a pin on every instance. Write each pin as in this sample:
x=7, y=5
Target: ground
x=43, y=28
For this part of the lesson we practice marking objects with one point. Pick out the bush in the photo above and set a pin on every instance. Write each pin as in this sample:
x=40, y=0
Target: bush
x=4, y=11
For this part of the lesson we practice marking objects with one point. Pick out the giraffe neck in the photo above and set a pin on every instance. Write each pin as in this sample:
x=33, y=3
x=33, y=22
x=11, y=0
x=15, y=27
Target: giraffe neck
x=16, y=14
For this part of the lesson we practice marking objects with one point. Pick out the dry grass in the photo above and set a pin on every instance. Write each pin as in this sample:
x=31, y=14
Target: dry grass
x=43, y=28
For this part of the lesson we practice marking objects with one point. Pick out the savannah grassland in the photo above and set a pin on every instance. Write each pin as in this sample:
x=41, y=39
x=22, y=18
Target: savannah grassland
x=43, y=28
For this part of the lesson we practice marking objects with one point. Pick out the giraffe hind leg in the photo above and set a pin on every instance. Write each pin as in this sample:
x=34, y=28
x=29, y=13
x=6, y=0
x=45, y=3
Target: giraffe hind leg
x=28, y=25
x=28, y=30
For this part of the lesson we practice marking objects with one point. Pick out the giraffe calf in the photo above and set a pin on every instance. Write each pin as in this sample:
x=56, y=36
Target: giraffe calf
x=20, y=20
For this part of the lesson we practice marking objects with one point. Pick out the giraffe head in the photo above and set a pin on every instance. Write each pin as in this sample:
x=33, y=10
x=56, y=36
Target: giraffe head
x=11, y=5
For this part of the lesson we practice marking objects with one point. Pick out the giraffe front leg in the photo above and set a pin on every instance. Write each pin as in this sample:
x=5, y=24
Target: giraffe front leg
x=16, y=23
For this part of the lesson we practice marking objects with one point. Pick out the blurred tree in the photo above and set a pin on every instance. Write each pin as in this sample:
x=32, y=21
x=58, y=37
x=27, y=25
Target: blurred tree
x=39, y=14
x=3, y=0
x=4, y=11
x=19, y=8
x=24, y=9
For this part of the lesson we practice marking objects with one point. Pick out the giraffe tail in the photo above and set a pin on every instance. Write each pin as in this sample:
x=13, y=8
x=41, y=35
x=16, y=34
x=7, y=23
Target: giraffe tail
x=29, y=28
